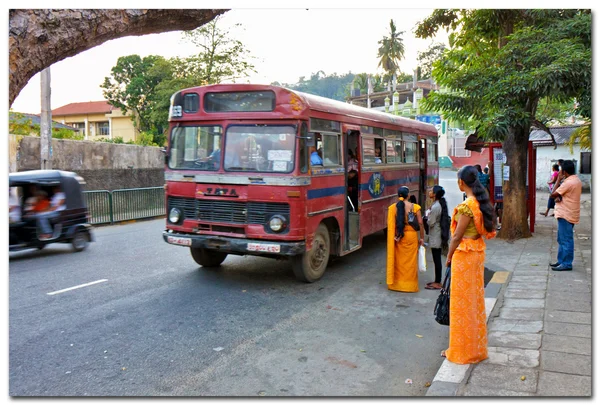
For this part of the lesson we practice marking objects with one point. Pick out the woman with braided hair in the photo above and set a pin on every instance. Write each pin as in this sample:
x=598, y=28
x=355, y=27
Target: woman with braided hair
x=403, y=243
x=472, y=220
x=439, y=233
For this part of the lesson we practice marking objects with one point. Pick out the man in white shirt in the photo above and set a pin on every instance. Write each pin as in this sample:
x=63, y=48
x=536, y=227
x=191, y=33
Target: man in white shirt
x=14, y=208
x=57, y=204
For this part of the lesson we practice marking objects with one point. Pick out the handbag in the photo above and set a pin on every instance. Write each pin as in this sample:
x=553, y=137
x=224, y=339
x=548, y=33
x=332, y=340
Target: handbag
x=442, y=305
x=412, y=219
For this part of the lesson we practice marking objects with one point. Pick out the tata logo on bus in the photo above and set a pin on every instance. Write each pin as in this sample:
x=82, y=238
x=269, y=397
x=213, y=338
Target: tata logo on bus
x=214, y=192
x=376, y=185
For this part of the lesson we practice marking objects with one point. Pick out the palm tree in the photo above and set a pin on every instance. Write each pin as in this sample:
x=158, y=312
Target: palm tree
x=581, y=136
x=391, y=50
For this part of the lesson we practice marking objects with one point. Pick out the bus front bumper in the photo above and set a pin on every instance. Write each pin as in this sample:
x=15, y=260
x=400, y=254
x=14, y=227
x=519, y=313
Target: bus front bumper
x=235, y=245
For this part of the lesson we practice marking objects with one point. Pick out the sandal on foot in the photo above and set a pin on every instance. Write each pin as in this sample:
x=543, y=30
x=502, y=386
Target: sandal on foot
x=443, y=353
x=431, y=286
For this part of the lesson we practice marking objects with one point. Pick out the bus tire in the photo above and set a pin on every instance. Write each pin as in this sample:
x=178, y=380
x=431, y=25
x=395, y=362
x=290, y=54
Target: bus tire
x=310, y=266
x=207, y=258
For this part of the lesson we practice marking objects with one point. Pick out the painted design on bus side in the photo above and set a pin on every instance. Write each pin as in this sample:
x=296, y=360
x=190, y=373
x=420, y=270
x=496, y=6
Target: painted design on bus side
x=376, y=185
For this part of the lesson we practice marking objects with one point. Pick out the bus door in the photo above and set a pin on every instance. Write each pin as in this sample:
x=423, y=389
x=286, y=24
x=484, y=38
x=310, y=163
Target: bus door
x=351, y=159
x=422, y=173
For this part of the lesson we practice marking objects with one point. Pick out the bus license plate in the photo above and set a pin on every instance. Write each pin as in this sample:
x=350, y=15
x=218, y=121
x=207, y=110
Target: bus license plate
x=179, y=241
x=263, y=247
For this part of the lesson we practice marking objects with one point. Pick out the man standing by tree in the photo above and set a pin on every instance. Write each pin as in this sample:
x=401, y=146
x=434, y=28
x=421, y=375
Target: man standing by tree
x=568, y=199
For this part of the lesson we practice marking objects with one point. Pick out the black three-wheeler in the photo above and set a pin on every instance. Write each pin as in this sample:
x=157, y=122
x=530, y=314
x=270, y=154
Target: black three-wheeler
x=71, y=225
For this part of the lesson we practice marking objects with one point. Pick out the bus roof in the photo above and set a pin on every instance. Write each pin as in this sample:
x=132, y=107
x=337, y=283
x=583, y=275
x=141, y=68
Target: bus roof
x=297, y=104
x=318, y=103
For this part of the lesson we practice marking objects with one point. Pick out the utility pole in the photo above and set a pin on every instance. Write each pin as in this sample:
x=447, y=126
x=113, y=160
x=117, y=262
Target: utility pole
x=46, y=122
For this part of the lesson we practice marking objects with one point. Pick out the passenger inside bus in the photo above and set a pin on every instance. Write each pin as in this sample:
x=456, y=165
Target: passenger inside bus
x=378, y=155
x=316, y=157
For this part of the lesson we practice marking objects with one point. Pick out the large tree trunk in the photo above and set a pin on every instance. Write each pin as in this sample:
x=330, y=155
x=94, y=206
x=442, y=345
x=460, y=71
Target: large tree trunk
x=514, y=213
x=38, y=38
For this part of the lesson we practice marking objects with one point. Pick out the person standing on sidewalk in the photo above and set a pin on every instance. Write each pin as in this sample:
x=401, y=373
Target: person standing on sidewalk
x=403, y=244
x=439, y=233
x=567, y=211
x=472, y=220
x=551, y=182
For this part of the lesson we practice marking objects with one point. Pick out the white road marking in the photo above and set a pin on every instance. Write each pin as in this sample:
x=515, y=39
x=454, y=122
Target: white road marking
x=77, y=286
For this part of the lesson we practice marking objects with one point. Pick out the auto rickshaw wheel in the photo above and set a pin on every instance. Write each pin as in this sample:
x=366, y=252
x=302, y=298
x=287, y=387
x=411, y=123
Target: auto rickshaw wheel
x=310, y=266
x=207, y=258
x=79, y=241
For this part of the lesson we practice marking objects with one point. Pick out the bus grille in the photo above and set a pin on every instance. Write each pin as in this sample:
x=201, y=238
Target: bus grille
x=232, y=212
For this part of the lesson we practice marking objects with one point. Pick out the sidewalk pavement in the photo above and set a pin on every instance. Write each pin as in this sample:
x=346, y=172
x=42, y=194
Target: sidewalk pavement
x=539, y=331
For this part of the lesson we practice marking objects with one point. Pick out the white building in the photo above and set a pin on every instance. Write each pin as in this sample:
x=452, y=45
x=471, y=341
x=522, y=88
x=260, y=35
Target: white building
x=547, y=155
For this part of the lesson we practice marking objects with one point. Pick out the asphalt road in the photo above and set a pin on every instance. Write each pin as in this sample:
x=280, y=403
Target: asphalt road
x=156, y=324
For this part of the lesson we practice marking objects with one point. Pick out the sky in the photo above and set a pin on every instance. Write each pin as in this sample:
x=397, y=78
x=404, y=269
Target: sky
x=285, y=43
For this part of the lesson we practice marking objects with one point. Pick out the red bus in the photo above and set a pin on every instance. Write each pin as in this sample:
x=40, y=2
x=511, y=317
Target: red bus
x=263, y=170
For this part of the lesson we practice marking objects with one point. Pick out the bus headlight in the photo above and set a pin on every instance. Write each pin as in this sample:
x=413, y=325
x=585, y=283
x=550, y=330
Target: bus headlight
x=174, y=215
x=277, y=223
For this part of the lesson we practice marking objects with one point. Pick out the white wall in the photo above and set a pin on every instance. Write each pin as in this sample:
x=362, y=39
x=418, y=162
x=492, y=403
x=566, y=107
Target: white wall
x=547, y=156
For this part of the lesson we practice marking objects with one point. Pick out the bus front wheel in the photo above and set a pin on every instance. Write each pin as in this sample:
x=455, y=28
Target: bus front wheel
x=310, y=266
x=208, y=258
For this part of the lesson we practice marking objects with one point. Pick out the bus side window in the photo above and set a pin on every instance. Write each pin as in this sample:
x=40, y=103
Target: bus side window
x=331, y=149
x=368, y=150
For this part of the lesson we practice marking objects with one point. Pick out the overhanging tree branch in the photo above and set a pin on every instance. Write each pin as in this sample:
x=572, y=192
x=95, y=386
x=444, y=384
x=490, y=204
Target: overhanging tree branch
x=40, y=37
x=543, y=127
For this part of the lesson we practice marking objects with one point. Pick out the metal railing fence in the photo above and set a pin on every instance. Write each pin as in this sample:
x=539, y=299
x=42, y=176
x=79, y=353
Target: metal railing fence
x=125, y=204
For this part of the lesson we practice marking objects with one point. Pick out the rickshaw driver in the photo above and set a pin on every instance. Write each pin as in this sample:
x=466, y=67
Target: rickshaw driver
x=57, y=204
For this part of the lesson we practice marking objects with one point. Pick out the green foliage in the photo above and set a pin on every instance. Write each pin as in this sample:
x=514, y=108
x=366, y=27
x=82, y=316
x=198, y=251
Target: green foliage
x=19, y=124
x=131, y=86
x=334, y=86
x=581, y=136
x=145, y=85
x=391, y=50
x=504, y=61
x=221, y=58
x=62, y=133
x=425, y=59
x=146, y=139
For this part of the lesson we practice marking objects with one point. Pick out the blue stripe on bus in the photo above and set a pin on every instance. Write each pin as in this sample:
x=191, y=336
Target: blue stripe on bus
x=394, y=182
x=325, y=192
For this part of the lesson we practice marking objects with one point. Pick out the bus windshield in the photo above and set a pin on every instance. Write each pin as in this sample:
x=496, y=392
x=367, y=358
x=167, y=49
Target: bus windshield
x=196, y=148
x=260, y=148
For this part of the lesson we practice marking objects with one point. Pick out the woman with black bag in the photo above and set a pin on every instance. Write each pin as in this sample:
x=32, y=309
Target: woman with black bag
x=472, y=220
x=404, y=221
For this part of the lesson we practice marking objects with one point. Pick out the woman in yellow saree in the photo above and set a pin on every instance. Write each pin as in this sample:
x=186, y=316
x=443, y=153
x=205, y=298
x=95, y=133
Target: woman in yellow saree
x=403, y=244
x=472, y=220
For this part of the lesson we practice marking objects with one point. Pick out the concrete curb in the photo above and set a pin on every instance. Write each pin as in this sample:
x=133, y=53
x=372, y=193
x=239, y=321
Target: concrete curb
x=451, y=376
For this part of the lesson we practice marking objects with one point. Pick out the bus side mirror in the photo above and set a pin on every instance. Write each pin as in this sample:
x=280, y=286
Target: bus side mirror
x=166, y=153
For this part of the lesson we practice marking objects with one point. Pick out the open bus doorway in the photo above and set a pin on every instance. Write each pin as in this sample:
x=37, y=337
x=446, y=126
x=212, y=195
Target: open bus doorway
x=352, y=160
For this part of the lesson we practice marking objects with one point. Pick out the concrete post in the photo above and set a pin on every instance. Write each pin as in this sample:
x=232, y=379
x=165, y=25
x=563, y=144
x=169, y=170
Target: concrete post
x=45, y=122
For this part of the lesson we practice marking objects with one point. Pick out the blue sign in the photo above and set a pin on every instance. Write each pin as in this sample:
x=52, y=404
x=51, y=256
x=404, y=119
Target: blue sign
x=376, y=185
x=430, y=119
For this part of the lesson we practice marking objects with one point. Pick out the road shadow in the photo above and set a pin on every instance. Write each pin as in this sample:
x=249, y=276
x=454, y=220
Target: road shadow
x=34, y=253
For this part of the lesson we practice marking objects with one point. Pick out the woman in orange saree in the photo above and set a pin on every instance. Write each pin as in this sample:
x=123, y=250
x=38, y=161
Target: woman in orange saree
x=403, y=245
x=472, y=220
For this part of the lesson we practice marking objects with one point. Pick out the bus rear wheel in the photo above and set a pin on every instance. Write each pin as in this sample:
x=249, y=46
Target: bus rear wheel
x=207, y=258
x=310, y=266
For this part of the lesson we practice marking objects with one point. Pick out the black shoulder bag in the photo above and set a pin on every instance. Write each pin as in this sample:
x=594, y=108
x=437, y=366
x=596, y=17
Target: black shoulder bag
x=442, y=305
x=412, y=219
